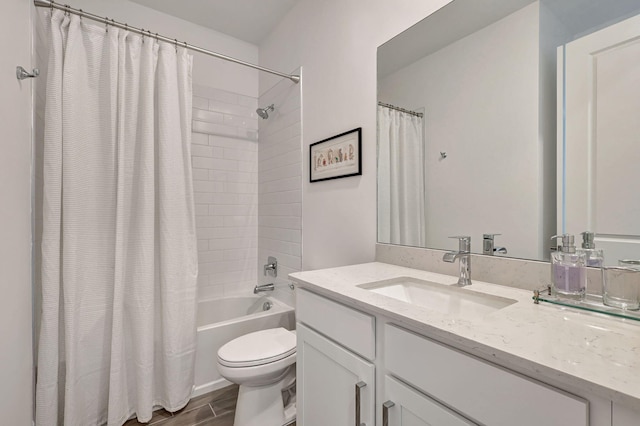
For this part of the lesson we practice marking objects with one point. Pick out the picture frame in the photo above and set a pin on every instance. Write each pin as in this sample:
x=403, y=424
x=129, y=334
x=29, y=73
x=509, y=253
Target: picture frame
x=336, y=157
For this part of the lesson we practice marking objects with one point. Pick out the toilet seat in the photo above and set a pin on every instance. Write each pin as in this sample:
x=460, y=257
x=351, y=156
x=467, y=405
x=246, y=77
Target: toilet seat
x=258, y=348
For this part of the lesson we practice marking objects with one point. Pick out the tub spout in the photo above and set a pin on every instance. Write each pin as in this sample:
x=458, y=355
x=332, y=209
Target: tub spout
x=262, y=288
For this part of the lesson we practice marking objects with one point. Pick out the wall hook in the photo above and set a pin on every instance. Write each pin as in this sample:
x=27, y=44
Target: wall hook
x=443, y=155
x=21, y=73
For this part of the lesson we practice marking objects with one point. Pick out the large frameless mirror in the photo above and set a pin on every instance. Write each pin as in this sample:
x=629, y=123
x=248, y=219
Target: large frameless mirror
x=511, y=121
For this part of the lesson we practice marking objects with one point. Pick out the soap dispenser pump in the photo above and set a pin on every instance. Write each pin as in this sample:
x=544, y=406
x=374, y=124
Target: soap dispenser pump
x=568, y=274
x=593, y=257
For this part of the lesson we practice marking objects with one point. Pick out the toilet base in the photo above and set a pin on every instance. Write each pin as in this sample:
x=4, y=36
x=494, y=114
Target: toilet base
x=262, y=405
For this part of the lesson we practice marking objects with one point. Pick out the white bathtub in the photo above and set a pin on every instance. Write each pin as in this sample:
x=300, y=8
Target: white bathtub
x=222, y=320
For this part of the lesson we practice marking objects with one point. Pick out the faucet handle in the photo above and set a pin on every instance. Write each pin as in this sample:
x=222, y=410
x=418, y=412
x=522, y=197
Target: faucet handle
x=488, y=247
x=489, y=236
x=464, y=243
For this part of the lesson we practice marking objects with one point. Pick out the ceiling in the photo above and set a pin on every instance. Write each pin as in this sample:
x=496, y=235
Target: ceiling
x=247, y=20
x=463, y=17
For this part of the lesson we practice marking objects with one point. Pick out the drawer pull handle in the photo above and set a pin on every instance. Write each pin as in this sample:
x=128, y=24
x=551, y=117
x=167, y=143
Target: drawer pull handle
x=359, y=386
x=385, y=412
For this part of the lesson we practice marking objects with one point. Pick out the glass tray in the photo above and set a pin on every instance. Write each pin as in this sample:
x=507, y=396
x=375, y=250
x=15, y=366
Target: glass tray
x=591, y=303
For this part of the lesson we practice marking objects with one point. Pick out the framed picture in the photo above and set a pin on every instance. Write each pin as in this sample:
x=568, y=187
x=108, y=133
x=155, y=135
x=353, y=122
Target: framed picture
x=336, y=157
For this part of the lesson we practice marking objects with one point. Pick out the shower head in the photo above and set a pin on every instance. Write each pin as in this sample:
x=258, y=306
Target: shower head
x=264, y=112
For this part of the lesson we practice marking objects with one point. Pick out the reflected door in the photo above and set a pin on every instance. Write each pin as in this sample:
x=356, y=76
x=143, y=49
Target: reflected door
x=600, y=156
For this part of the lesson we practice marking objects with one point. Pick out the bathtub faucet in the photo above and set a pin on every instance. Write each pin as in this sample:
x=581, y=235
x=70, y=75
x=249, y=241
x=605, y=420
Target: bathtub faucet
x=271, y=268
x=263, y=287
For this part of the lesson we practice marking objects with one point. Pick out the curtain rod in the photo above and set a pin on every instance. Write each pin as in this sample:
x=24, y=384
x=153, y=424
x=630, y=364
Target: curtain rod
x=417, y=114
x=107, y=21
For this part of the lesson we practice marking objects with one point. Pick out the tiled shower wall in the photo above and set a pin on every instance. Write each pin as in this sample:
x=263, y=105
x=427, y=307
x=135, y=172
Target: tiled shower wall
x=224, y=154
x=280, y=185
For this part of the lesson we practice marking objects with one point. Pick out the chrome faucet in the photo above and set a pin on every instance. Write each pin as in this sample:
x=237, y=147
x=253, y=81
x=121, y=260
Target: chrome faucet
x=464, y=255
x=263, y=287
x=488, y=247
x=271, y=268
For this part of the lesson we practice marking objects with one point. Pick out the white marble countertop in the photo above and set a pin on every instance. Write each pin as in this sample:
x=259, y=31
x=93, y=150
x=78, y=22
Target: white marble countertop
x=597, y=354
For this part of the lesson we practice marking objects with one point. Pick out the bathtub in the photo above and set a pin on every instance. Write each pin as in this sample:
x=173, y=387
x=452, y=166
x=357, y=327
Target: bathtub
x=222, y=320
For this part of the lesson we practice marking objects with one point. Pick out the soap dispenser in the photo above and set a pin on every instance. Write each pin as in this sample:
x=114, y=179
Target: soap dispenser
x=568, y=274
x=593, y=256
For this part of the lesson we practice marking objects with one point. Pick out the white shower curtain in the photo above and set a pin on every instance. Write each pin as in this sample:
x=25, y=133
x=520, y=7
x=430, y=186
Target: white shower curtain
x=401, y=186
x=119, y=261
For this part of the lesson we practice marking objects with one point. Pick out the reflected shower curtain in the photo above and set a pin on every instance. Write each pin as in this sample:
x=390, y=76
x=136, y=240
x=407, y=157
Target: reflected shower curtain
x=119, y=254
x=401, y=186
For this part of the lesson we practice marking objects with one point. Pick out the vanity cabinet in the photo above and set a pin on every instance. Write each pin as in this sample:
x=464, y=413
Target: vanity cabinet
x=412, y=380
x=335, y=384
x=404, y=406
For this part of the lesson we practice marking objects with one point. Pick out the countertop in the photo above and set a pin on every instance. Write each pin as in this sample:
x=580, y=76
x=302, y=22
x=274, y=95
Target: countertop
x=597, y=354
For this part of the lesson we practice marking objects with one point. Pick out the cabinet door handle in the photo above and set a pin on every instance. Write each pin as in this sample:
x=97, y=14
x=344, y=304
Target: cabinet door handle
x=359, y=386
x=385, y=412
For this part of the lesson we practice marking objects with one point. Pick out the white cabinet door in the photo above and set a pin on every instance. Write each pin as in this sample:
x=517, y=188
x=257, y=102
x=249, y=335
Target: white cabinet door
x=623, y=416
x=601, y=149
x=404, y=406
x=327, y=379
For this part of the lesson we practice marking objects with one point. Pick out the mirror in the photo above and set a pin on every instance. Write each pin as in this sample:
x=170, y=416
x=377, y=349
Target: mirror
x=516, y=118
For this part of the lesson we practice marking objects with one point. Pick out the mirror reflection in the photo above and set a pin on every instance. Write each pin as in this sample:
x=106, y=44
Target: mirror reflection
x=512, y=121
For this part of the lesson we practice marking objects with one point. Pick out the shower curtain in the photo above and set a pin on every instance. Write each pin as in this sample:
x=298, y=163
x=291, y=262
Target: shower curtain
x=119, y=261
x=401, y=185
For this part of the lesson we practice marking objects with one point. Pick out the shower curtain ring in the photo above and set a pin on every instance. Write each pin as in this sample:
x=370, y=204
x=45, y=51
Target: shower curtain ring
x=106, y=24
x=80, y=14
x=51, y=5
x=176, y=43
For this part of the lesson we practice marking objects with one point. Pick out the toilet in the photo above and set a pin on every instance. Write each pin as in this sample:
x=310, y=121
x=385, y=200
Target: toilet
x=263, y=364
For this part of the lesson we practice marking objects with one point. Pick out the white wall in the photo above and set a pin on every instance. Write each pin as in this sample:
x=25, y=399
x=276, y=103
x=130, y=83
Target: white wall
x=207, y=71
x=480, y=99
x=15, y=216
x=224, y=154
x=335, y=42
x=280, y=186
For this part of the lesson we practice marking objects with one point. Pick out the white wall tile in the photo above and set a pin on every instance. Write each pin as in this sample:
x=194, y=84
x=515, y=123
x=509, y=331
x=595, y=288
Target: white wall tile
x=199, y=139
x=237, y=121
x=200, y=103
x=279, y=185
x=225, y=142
x=248, y=101
x=208, y=116
x=226, y=191
x=285, y=197
x=200, y=174
x=233, y=109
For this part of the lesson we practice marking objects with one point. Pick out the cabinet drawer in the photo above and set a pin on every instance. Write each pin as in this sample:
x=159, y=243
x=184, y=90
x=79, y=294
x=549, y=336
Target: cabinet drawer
x=481, y=391
x=351, y=328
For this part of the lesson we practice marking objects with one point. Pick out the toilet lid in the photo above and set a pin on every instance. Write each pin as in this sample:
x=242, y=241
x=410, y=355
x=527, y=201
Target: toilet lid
x=258, y=348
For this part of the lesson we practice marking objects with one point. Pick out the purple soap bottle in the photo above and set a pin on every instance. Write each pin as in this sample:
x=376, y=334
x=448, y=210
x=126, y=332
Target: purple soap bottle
x=568, y=274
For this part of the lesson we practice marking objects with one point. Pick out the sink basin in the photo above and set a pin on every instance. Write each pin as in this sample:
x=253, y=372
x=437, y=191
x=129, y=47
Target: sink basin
x=439, y=296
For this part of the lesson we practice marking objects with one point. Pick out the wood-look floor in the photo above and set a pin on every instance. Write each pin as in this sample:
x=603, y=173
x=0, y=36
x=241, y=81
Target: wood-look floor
x=212, y=409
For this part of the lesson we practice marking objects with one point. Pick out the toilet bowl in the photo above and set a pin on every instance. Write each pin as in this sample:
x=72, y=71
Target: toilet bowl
x=262, y=363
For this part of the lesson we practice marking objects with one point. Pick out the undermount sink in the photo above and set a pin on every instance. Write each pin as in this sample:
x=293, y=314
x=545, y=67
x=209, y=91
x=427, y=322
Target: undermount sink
x=440, y=297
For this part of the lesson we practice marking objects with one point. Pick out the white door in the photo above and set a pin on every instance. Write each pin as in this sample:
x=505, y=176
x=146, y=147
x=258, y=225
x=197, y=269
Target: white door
x=405, y=406
x=602, y=138
x=328, y=376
